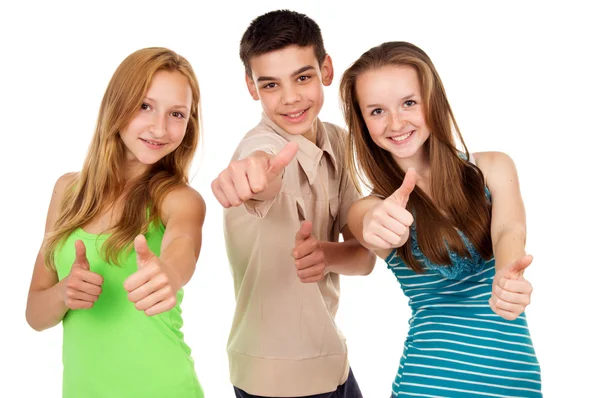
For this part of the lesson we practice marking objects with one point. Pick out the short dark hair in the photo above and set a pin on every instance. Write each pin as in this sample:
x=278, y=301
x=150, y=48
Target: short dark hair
x=278, y=29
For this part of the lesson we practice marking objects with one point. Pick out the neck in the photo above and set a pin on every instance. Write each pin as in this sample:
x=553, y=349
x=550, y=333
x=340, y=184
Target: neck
x=133, y=169
x=419, y=162
x=311, y=134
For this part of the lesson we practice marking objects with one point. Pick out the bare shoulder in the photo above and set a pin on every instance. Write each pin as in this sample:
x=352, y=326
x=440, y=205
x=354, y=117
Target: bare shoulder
x=184, y=200
x=64, y=181
x=498, y=169
x=493, y=162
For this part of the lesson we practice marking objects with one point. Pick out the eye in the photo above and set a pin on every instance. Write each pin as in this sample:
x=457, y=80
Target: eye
x=377, y=111
x=409, y=103
x=145, y=106
x=303, y=78
x=269, y=85
x=178, y=115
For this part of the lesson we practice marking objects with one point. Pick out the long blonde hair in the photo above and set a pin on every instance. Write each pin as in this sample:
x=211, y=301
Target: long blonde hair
x=100, y=182
x=457, y=186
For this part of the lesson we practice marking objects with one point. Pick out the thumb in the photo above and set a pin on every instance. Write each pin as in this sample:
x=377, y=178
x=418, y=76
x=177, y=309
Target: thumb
x=304, y=232
x=408, y=185
x=80, y=257
x=282, y=159
x=517, y=268
x=142, y=250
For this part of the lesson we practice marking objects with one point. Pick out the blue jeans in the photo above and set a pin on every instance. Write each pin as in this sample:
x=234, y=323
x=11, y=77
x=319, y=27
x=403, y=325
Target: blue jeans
x=347, y=390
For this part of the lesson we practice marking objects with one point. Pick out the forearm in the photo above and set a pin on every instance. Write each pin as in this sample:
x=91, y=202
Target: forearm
x=509, y=247
x=181, y=256
x=348, y=257
x=45, y=308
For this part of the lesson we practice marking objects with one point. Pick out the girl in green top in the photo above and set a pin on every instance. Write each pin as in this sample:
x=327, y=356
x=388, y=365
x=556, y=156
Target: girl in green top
x=122, y=238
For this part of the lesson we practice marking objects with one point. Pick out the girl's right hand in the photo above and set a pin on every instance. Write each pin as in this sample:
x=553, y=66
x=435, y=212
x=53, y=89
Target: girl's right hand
x=81, y=287
x=387, y=224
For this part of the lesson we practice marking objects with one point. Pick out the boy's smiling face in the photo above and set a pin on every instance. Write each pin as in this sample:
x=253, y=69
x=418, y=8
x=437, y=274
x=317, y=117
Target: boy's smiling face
x=289, y=84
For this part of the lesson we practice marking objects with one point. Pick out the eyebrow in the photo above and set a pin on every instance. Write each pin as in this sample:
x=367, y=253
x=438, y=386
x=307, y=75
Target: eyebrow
x=297, y=72
x=403, y=99
x=148, y=99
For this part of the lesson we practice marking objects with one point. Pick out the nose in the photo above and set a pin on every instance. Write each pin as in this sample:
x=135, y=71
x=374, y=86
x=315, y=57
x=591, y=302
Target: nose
x=397, y=121
x=290, y=95
x=159, y=125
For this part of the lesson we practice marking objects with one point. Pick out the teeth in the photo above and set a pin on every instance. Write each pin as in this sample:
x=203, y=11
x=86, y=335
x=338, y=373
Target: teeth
x=152, y=143
x=402, y=137
x=295, y=114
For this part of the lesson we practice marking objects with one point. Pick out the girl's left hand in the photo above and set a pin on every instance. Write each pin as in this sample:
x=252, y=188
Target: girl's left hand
x=153, y=288
x=511, y=292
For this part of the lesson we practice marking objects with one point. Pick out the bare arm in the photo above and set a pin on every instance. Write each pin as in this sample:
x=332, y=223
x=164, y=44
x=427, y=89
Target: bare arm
x=508, y=229
x=511, y=292
x=348, y=257
x=45, y=302
x=153, y=288
x=315, y=258
x=184, y=217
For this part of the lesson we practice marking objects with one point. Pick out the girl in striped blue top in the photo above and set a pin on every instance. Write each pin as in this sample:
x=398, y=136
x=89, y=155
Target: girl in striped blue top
x=450, y=225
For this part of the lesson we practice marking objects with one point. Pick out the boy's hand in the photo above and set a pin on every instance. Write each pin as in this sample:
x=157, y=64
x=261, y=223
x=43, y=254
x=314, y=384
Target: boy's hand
x=387, y=224
x=310, y=258
x=250, y=176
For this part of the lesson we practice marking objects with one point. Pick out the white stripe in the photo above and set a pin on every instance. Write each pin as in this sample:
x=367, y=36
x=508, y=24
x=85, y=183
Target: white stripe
x=474, y=337
x=410, y=302
x=505, y=323
x=458, y=325
x=481, y=295
x=496, y=315
x=423, y=284
x=464, y=290
x=475, y=355
x=415, y=276
x=475, y=373
x=475, y=364
x=421, y=395
x=458, y=390
x=474, y=345
x=472, y=382
x=455, y=305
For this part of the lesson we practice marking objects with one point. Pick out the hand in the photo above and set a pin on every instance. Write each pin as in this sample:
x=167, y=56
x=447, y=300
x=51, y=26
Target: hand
x=154, y=286
x=310, y=258
x=82, y=286
x=511, y=292
x=250, y=176
x=387, y=224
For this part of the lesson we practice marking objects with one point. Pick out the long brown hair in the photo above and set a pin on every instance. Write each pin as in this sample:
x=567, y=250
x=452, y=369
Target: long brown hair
x=100, y=182
x=457, y=186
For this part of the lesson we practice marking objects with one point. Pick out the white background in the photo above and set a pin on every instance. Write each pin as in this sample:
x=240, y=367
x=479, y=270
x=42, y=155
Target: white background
x=522, y=77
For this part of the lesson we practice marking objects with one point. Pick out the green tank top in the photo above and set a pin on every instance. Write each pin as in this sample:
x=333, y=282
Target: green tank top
x=113, y=350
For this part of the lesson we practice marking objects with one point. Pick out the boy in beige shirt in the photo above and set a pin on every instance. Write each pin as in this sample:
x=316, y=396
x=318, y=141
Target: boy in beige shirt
x=287, y=195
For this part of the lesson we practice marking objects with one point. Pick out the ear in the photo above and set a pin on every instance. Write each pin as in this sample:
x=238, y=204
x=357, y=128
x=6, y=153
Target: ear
x=251, y=87
x=327, y=71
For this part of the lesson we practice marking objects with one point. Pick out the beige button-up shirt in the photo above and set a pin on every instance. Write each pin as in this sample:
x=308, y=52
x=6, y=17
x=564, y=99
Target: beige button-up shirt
x=284, y=341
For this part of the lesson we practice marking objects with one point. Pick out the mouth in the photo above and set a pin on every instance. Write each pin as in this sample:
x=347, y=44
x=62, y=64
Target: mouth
x=296, y=115
x=153, y=143
x=402, y=137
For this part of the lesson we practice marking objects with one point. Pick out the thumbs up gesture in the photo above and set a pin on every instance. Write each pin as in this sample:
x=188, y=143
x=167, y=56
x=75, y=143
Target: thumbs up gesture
x=511, y=292
x=309, y=256
x=82, y=286
x=250, y=176
x=387, y=224
x=153, y=287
